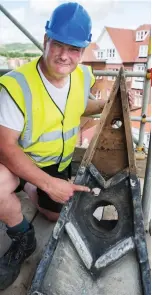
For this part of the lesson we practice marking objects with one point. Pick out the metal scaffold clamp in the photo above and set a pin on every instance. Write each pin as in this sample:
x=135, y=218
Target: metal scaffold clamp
x=149, y=74
x=143, y=120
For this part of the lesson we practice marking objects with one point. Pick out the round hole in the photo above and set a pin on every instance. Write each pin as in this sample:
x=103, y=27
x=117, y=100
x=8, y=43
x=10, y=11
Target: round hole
x=105, y=216
x=116, y=123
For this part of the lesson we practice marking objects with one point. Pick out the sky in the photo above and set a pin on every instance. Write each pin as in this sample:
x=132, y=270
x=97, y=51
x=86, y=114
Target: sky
x=33, y=14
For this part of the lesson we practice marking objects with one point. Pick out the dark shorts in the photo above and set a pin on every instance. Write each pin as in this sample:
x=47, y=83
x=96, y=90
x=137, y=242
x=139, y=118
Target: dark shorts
x=44, y=200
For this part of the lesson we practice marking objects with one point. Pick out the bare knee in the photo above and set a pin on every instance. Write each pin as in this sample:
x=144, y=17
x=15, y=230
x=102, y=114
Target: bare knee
x=8, y=181
x=10, y=207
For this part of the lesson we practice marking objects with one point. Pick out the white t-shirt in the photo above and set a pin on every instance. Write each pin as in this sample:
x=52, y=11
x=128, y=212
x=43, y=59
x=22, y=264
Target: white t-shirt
x=11, y=116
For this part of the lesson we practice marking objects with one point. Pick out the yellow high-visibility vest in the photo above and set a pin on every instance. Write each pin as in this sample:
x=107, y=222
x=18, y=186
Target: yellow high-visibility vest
x=49, y=136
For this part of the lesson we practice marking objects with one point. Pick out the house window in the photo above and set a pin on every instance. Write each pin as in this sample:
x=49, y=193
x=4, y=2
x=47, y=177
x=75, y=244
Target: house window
x=139, y=68
x=138, y=98
x=98, y=94
x=141, y=35
x=98, y=77
x=111, y=53
x=100, y=54
x=128, y=79
x=137, y=36
x=143, y=50
x=112, y=78
x=138, y=101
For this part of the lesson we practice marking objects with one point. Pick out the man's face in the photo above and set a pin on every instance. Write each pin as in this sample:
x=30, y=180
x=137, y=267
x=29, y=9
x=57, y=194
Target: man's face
x=61, y=59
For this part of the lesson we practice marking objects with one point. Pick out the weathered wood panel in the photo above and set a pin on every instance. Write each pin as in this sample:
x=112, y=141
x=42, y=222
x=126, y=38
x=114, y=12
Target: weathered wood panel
x=79, y=153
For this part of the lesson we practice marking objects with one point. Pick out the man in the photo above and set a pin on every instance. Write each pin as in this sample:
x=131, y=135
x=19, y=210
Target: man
x=40, y=108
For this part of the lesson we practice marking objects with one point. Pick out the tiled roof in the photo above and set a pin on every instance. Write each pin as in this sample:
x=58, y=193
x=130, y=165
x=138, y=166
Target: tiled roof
x=124, y=41
x=144, y=42
x=89, y=53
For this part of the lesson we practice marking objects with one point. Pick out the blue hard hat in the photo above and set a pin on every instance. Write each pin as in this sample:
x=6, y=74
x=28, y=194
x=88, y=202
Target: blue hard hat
x=71, y=24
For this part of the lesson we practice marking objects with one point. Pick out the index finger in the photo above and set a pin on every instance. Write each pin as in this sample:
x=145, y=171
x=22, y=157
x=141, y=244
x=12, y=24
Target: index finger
x=81, y=188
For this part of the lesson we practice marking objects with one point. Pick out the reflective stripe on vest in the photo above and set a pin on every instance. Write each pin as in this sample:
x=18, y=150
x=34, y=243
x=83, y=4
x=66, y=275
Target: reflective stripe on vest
x=28, y=103
x=49, y=136
x=70, y=133
x=87, y=83
x=54, y=159
x=38, y=158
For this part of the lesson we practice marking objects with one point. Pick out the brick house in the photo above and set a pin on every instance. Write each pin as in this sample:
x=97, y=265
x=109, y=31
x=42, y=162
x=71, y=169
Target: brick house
x=115, y=48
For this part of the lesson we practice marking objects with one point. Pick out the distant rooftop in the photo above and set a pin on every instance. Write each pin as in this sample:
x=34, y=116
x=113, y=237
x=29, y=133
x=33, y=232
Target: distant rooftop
x=124, y=41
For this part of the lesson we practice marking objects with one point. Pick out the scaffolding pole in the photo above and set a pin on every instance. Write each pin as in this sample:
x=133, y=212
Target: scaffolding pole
x=146, y=198
x=99, y=73
x=114, y=73
x=146, y=98
x=132, y=118
x=20, y=27
x=139, y=118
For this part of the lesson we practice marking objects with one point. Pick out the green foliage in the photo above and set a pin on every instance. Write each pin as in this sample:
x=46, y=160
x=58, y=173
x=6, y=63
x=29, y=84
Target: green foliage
x=31, y=54
x=15, y=54
x=18, y=47
x=14, y=50
x=3, y=53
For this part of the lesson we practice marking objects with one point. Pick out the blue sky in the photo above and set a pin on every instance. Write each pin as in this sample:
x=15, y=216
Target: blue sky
x=33, y=15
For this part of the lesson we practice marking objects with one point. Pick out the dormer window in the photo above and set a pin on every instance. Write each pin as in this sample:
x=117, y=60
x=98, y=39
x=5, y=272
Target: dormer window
x=143, y=50
x=141, y=35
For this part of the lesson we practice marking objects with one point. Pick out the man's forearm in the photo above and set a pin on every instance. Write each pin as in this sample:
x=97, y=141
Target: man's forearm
x=94, y=107
x=21, y=165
